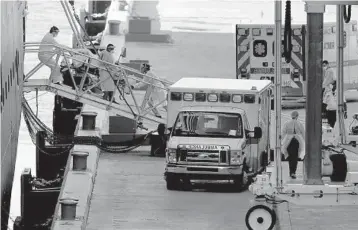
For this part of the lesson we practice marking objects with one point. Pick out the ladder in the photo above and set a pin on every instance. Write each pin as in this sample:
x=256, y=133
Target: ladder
x=128, y=106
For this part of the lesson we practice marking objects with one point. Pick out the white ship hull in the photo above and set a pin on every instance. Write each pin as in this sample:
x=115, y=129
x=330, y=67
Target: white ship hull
x=12, y=72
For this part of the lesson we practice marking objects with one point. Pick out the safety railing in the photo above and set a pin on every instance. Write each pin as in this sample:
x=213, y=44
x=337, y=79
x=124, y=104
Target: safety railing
x=116, y=72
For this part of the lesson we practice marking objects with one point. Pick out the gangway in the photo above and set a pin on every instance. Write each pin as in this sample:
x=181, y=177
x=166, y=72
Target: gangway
x=72, y=59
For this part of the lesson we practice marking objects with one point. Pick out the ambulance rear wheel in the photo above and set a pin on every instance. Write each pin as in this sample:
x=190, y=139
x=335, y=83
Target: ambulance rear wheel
x=260, y=217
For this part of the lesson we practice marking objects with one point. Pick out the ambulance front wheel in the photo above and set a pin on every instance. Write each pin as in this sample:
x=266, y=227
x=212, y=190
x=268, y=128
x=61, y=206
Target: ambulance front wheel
x=260, y=217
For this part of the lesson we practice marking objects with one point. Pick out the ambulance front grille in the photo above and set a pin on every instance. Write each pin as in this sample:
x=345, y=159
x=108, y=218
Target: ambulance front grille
x=203, y=157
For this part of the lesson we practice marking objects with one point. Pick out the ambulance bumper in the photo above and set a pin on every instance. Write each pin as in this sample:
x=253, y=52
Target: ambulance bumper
x=204, y=172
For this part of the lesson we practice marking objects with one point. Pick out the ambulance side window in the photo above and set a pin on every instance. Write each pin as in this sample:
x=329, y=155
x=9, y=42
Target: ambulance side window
x=176, y=96
x=249, y=98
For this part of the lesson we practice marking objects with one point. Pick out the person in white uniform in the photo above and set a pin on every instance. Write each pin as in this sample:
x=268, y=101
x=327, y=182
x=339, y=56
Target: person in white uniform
x=156, y=94
x=329, y=78
x=107, y=78
x=48, y=54
x=332, y=105
x=293, y=134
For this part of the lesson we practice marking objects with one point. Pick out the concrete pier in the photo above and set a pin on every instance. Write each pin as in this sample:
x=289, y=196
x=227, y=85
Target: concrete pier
x=79, y=184
x=127, y=190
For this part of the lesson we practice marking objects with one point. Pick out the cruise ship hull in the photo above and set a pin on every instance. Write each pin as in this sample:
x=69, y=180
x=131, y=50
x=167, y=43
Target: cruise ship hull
x=12, y=73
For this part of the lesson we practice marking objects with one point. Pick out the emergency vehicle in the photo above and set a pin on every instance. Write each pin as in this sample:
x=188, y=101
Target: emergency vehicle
x=255, y=55
x=219, y=130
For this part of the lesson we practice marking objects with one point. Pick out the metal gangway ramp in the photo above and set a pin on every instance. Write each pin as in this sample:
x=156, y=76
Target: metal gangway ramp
x=132, y=105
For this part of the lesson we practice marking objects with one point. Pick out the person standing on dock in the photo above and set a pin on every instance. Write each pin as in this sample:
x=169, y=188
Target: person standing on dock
x=328, y=78
x=47, y=54
x=293, y=134
x=107, y=77
x=332, y=105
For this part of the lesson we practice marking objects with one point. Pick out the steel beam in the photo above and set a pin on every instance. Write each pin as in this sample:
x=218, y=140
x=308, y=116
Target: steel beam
x=340, y=80
x=313, y=142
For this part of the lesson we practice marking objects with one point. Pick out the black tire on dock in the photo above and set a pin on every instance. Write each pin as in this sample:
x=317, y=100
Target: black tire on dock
x=260, y=217
x=339, y=162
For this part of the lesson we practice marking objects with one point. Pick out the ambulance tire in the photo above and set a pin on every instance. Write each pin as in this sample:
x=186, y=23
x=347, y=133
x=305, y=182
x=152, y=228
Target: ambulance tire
x=339, y=162
x=173, y=182
x=242, y=181
x=260, y=217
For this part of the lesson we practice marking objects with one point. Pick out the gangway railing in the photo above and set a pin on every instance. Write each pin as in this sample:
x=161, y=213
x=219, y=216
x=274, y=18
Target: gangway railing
x=82, y=92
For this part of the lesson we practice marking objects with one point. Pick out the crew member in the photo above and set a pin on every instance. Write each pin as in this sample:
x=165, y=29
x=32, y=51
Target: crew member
x=156, y=94
x=107, y=82
x=332, y=105
x=329, y=77
x=293, y=135
x=47, y=54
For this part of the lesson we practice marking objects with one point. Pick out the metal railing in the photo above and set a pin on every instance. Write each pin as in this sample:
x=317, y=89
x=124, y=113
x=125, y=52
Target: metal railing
x=116, y=72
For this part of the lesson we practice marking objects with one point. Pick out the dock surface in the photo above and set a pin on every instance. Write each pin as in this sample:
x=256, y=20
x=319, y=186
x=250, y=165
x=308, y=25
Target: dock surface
x=129, y=190
x=130, y=193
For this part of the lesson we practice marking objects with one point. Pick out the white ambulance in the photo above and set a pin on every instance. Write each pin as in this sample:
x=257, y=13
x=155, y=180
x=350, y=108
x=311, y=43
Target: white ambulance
x=350, y=54
x=255, y=55
x=219, y=130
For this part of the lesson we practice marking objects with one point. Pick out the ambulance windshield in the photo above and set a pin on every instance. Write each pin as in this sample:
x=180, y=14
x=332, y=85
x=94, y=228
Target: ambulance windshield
x=208, y=124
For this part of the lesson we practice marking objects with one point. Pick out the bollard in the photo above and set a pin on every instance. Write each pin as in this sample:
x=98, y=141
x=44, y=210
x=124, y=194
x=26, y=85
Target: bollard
x=114, y=27
x=68, y=208
x=79, y=160
x=89, y=120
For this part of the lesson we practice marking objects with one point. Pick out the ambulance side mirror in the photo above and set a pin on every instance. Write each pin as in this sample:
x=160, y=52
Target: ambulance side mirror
x=257, y=132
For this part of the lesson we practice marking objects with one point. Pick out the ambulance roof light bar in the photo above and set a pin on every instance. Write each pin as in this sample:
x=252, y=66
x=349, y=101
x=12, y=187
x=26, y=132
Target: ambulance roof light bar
x=256, y=31
x=243, y=32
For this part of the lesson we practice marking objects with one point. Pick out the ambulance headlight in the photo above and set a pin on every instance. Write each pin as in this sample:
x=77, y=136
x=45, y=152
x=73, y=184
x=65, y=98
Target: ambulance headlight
x=242, y=32
x=243, y=48
x=296, y=49
x=236, y=98
x=171, y=155
x=212, y=97
x=243, y=70
x=236, y=157
x=297, y=32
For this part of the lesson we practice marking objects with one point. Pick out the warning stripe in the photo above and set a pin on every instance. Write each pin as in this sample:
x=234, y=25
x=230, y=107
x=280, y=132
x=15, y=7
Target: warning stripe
x=295, y=65
x=297, y=59
x=297, y=62
x=298, y=39
x=245, y=64
x=243, y=59
x=240, y=54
